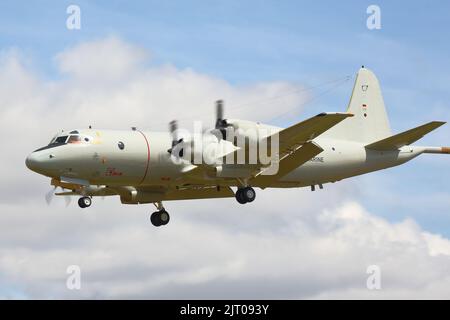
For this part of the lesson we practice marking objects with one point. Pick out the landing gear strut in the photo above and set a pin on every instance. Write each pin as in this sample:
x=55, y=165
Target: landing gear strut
x=84, y=202
x=160, y=217
x=244, y=195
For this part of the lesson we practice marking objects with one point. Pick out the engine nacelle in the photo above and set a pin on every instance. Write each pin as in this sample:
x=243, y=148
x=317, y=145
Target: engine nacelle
x=203, y=149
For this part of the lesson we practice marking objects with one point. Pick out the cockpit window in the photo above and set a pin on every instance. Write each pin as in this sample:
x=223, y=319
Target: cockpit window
x=53, y=139
x=60, y=140
x=56, y=141
x=73, y=137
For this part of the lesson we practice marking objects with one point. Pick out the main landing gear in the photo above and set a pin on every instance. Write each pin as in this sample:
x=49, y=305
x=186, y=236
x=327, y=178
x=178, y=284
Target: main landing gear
x=244, y=195
x=160, y=217
x=84, y=202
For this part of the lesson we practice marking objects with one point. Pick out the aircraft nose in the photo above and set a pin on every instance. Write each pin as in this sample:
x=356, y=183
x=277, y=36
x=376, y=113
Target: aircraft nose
x=32, y=162
x=41, y=162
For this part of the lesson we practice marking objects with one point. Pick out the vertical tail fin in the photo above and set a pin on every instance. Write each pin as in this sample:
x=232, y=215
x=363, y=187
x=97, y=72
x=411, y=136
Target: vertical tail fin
x=370, y=122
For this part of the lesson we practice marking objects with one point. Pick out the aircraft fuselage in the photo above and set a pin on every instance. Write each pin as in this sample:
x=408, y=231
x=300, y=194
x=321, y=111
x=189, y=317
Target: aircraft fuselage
x=140, y=158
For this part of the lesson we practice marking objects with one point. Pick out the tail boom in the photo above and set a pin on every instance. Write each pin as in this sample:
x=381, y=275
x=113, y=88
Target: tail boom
x=438, y=150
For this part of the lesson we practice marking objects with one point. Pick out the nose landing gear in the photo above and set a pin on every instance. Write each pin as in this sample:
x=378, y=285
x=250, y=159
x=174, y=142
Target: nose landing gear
x=84, y=202
x=244, y=195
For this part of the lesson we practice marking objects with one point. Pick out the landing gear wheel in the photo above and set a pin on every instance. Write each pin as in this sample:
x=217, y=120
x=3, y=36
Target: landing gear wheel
x=249, y=194
x=244, y=195
x=154, y=218
x=240, y=196
x=160, y=218
x=164, y=217
x=84, y=202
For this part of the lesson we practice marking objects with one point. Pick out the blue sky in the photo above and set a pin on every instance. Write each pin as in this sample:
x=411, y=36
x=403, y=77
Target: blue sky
x=306, y=42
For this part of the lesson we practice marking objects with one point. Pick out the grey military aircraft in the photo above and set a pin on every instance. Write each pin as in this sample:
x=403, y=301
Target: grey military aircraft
x=152, y=167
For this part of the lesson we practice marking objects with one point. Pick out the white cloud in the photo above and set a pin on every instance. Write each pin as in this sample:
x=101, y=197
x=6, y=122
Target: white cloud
x=105, y=60
x=287, y=244
x=437, y=245
x=122, y=255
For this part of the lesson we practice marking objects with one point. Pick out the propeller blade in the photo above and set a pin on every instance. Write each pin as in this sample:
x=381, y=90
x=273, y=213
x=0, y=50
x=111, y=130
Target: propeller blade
x=173, y=127
x=221, y=123
x=219, y=114
x=49, y=196
x=68, y=200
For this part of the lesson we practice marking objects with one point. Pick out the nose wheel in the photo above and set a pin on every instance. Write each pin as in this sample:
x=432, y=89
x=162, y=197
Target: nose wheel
x=84, y=202
x=245, y=195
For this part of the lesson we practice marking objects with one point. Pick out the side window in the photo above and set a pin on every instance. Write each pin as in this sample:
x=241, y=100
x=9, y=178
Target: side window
x=121, y=145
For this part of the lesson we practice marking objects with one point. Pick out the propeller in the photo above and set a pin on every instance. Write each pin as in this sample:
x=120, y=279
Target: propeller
x=220, y=131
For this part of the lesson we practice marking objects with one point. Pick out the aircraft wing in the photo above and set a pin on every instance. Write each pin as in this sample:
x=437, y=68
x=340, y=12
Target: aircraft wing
x=289, y=163
x=302, y=132
x=296, y=147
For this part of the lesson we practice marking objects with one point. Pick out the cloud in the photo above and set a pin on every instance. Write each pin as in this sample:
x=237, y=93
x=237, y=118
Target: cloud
x=302, y=256
x=287, y=244
x=108, y=59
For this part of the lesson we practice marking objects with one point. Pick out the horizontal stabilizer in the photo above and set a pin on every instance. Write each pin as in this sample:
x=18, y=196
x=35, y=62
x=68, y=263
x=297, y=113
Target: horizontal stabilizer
x=405, y=138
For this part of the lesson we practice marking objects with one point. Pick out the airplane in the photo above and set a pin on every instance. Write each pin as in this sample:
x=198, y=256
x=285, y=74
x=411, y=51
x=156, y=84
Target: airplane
x=151, y=167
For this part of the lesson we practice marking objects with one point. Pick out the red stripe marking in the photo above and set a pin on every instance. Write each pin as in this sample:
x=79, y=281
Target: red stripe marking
x=148, y=157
